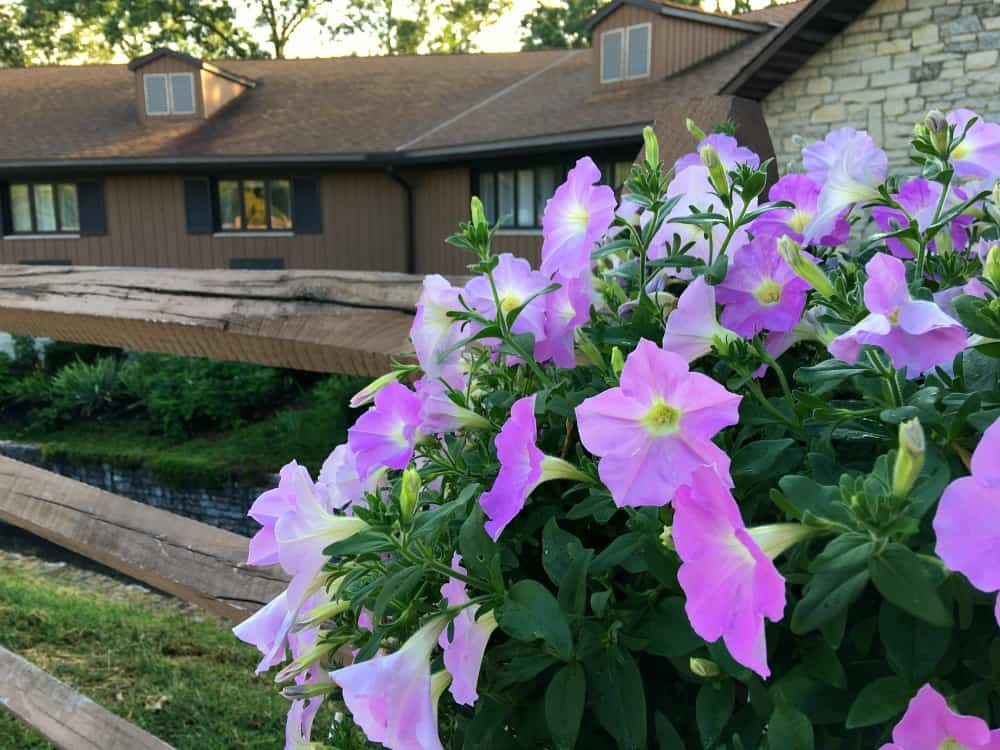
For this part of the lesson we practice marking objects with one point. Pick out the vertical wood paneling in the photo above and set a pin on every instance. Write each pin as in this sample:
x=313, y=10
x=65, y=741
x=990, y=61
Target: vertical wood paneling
x=364, y=228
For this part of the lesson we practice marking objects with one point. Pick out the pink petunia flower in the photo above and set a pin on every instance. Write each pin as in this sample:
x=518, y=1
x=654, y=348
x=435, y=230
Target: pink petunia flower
x=730, y=584
x=576, y=217
x=267, y=509
x=343, y=485
x=760, y=291
x=920, y=198
x=269, y=629
x=439, y=414
x=384, y=435
x=433, y=332
x=929, y=724
x=656, y=429
x=803, y=192
x=302, y=536
x=522, y=468
x=693, y=328
x=849, y=167
x=566, y=309
x=978, y=155
x=967, y=523
x=730, y=152
x=916, y=334
x=464, y=650
x=390, y=697
x=298, y=725
x=516, y=283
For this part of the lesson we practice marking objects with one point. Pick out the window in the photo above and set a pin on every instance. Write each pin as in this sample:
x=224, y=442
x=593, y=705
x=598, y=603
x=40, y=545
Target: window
x=637, y=65
x=612, y=52
x=44, y=208
x=259, y=205
x=169, y=93
x=625, y=53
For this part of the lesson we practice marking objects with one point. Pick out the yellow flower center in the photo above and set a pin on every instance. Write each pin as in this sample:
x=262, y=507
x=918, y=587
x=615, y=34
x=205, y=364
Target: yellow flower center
x=894, y=317
x=578, y=216
x=799, y=220
x=769, y=292
x=662, y=419
x=962, y=150
x=509, y=302
x=951, y=744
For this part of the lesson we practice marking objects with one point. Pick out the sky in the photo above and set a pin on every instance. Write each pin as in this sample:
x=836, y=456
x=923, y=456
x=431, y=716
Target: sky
x=505, y=36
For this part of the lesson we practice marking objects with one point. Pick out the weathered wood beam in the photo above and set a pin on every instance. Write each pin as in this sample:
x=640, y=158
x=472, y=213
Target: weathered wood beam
x=325, y=321
x=60, y=714
x=193, y=561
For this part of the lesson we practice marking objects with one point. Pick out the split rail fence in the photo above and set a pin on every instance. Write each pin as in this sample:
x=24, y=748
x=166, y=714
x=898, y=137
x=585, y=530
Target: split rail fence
x=324, y=321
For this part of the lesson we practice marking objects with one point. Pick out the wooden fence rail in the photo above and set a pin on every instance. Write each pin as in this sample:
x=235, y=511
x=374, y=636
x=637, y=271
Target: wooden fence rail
x=324, y=321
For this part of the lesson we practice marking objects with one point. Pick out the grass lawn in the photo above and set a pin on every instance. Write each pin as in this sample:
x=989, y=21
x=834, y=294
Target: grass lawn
x=306, y=429
x=181, y=676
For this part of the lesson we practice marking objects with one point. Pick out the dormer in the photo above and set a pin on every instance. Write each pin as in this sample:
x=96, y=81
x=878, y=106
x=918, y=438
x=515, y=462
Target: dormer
x=171, y=86
x=634, y=41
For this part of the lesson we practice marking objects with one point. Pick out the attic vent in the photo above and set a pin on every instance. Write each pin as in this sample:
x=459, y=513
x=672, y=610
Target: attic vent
x=169, y=94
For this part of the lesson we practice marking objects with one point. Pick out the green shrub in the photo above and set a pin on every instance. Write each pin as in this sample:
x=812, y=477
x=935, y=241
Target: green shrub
x=60, y=354
x=86, y=389
x=25, y=354
x=183, y=394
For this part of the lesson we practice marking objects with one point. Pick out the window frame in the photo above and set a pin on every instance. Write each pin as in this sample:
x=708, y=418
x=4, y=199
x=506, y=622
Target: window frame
x=620, y=31
x=168, y=79
x=649, y=51
x=240, y=186
x=56, y=209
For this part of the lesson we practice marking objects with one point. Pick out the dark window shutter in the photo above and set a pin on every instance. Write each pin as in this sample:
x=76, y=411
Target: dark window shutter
x=257, y=264
x=90, y=195
x=6, y=222
x=306, y=207
x=198, y=205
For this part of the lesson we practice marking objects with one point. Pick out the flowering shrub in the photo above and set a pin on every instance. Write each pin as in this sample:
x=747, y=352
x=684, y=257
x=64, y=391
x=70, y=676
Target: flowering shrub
x=598, y=513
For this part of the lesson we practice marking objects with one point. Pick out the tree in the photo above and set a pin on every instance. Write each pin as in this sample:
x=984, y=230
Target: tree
x=562, y=24
x=11, y=52
x=282, y=18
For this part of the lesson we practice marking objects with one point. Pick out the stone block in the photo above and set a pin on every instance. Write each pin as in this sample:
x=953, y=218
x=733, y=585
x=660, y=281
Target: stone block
x=989, y=39
x=926, y=72
x=967, y=23
x=924, y=35
x=981, y=60
x=822, y=85
x=876, y=65
x=850, y=83
x=890, y=78
x=894, y=47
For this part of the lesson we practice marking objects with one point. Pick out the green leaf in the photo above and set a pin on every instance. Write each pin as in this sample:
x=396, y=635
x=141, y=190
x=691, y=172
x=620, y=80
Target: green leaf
x=904, y=580
x=828, y=375
x=912, y=647
x=559, y=548
x=620, y=549
x=802, y=495
x=879, y=702
x=667, y=630
x=789, y=729
x=564, y=700
x=975, y=316
x=618, y=697
x=399, y=584
x=478, y=551
x=364, y=542
x=713, y=707
x=531, y=612
x=666, y=736
x=756, y=459
x=821, y=662
x=841, y=574
x=573, y=589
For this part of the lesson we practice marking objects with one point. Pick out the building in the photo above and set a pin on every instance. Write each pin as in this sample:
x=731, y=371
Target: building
x=365, y=163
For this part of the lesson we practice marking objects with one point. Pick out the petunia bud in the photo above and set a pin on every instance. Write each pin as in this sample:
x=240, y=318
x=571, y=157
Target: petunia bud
x=478, y=212
x=804, y=268
x=937, y=127
x=652, y=145
x=367, y=394
x=617, y=361
x=321, y=614
x=703, y=667
x=991, y=267
x=305, y=692
x=909, y=459
x=667, y=538
x=697, y=133
x=716, y=172
x=409, y=493
x=775, y=538
x=311, y=656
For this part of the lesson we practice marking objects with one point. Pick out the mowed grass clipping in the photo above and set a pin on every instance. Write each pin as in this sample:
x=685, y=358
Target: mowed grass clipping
x=190, y=683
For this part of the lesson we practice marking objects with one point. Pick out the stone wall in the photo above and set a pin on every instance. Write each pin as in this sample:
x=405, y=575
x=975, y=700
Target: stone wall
x=886, y=70
x=224, y=507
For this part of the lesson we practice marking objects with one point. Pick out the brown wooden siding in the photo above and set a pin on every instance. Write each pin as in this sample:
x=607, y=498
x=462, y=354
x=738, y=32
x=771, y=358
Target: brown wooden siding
x=364, y=226
x=167, y=64
x=676, y=44
x=440, y=201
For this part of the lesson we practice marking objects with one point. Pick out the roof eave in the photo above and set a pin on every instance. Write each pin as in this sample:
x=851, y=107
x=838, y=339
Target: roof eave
x=193, y=61
x=687, y=15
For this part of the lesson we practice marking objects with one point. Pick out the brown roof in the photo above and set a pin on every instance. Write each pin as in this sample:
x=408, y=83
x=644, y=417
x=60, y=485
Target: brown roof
x=776, y=14
x=350, y=109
